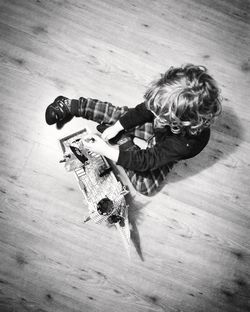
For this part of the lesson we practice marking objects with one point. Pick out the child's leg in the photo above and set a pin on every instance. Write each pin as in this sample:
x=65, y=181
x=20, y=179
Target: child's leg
x=98, y=111
x=63, y=109
x=147, y=183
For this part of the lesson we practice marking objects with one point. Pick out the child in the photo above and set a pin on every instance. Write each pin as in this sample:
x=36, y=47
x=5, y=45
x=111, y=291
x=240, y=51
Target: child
x=174, y=121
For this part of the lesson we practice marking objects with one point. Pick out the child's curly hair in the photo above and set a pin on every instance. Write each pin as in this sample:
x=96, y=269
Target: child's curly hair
x=186, y=98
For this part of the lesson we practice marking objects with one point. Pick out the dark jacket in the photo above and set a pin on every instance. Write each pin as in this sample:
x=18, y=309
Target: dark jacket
x=169, y=147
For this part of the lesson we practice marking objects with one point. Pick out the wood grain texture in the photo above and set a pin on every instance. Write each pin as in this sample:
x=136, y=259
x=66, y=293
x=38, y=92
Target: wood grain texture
x=191, y=247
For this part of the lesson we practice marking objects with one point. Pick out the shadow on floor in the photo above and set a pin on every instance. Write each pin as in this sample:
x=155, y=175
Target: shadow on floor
x=135, y=215
x=226, y=137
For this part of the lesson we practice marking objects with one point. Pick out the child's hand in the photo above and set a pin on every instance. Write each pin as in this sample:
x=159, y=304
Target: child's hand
x=112, y=131
x=95, y=144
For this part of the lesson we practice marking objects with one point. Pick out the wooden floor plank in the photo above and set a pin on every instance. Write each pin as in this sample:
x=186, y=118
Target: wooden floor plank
x=190, y=244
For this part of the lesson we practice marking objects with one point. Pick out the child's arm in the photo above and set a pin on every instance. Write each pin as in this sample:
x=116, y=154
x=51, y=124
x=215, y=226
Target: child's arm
x=170, y=149
x=134, y=117
x=139, y=160
x=97, y=145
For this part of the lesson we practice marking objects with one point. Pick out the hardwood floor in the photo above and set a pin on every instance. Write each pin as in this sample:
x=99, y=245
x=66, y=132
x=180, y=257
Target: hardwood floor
x=191, y=247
